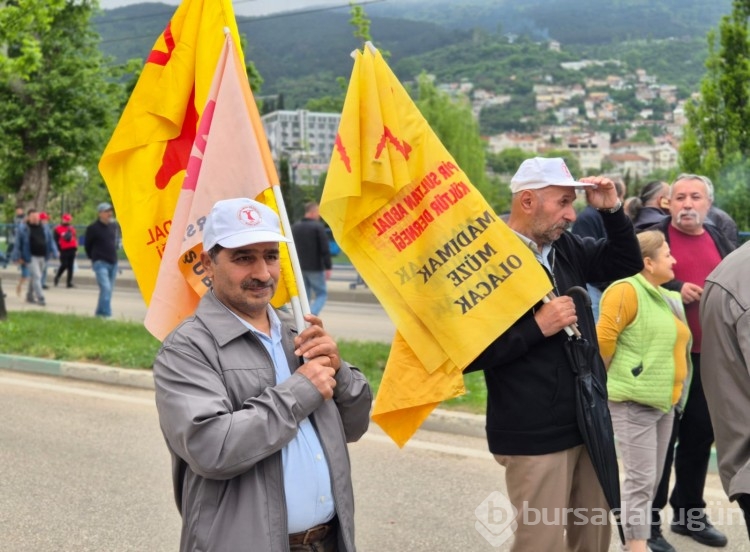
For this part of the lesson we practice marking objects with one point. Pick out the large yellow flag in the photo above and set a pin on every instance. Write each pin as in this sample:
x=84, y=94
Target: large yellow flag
x=449, y=272
x=144, y=163
x=230, y=158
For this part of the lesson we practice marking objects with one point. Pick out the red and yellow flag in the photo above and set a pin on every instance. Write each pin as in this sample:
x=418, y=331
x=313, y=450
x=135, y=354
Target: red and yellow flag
x=230, y=158
x=144, y=163
x=449, y=272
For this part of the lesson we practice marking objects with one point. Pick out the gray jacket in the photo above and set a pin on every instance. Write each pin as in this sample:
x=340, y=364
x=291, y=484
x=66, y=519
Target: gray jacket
x=725, y=372
x=225, y=422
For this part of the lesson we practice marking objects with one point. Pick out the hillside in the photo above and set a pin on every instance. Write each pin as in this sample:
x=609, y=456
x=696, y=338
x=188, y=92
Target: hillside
x=569, y=21
x=299, y=55
x=302, y=55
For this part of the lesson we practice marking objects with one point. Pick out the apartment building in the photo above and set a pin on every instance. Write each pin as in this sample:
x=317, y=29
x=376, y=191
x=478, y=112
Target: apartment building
x=305, y=138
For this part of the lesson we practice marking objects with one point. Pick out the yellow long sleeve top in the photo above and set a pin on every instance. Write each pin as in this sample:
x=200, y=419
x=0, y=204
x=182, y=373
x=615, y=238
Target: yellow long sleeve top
x=618, y=309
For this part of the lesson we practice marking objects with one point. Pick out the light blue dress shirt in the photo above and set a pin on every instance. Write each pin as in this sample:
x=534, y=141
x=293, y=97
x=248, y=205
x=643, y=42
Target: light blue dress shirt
x=307, y=480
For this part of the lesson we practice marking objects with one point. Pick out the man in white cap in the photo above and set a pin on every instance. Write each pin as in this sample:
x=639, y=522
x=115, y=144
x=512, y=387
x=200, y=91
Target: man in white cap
x=532, y=427
x=256, y=413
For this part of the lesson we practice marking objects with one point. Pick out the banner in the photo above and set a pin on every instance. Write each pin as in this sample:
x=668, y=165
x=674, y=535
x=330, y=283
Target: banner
x=230, y=158
x=449, y=272
x=144, y=162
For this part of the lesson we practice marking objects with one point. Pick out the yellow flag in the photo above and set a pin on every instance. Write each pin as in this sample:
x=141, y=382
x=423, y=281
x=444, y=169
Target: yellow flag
x=144, y=163
x=449, y=272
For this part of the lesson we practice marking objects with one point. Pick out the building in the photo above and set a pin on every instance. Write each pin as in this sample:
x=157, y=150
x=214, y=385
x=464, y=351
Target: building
x=306, y=138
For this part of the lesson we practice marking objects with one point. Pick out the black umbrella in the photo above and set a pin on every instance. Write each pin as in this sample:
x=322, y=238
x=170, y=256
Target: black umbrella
x=592, y=412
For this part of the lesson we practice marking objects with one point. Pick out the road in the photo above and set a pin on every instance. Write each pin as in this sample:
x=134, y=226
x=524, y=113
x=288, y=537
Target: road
x=85, y=469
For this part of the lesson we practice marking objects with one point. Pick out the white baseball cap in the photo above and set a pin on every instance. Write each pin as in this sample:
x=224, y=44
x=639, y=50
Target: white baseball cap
x=239, y=222
x=540, y=172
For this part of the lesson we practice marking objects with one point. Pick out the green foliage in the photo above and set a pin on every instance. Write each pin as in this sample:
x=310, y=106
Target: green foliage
x=57, y=107
x=454, y=124
x=569, y=21
x=298, y=55
x=643, y=135
x=717, y=137
x=79, y=339
x=66, y=337
x=21, y=29
x=507, y=161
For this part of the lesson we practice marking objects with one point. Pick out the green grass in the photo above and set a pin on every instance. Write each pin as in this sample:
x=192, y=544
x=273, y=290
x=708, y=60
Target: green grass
x=129, y=345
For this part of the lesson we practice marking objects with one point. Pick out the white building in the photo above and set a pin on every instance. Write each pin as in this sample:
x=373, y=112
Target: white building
x=307, y=138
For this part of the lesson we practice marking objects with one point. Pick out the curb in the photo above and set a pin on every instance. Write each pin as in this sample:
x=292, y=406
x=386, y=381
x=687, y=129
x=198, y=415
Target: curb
x=440, y=420
x=79, y=370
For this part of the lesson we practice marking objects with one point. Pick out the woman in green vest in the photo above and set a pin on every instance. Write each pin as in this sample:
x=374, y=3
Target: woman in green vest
x=645, y=342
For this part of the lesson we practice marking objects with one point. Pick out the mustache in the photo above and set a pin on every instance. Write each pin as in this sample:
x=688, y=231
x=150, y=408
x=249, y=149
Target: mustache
x=563, y=226
x=689, y=213
x=254, y=284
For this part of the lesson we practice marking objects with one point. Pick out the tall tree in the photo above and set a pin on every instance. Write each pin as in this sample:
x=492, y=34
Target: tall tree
x=58, y=100
x=717, y=136
x=453, y=122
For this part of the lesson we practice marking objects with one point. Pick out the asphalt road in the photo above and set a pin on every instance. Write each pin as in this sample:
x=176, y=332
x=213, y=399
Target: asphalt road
x=84, y=468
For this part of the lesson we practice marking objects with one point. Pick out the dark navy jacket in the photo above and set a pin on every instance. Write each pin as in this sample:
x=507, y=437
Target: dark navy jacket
x=531, y=406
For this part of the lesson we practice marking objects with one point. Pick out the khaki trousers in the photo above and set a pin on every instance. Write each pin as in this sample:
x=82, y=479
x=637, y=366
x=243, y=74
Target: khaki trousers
x=559, y=502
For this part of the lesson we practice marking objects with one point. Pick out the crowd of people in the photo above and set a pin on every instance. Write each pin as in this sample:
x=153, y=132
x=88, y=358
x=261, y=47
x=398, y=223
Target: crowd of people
x=257, y=412
x=32, y=244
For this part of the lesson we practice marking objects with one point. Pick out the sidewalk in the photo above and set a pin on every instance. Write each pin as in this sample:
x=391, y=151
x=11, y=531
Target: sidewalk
x=340, y=289
x=343, y=286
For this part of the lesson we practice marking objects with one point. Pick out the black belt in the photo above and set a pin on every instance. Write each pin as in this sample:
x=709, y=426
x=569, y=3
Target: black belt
x=312, y=535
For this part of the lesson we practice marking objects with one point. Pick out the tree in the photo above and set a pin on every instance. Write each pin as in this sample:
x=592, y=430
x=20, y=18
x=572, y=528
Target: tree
x=454, y=123
x=58, y=100
x=361, y=24
x=507, y=161
x=717, y=136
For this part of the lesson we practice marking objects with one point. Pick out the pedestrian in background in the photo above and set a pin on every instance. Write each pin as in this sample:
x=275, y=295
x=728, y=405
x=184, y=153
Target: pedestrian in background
x=44, y=219
x=10, y=234
x=651, y=205
x=311, y=242
x=34, y=246
x=67, y=243
x=257, y=413
x=18, y=220
x=644, y=341
x=698, y=248
x=100, y=243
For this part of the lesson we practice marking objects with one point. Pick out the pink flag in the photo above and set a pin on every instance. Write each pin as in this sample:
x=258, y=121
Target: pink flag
x=227, y=161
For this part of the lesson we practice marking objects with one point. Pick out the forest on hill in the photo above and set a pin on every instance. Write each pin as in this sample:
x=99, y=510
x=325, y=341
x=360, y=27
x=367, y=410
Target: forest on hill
x=497, y=45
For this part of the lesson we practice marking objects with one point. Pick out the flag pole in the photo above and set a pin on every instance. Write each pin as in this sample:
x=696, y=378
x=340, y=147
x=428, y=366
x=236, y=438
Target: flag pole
x=300, y=304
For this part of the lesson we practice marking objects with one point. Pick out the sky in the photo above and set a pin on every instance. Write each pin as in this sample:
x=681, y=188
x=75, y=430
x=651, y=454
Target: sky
x=241, y=7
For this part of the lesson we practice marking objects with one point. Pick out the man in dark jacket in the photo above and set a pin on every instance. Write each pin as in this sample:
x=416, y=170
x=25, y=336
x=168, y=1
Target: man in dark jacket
x=589, y=223
x=698, y=248
x=311, y=241
x=34, y=246
x=101, y=247
x=531, y=405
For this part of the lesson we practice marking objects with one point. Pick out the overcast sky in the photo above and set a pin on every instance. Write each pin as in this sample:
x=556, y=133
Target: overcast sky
x=242, y=7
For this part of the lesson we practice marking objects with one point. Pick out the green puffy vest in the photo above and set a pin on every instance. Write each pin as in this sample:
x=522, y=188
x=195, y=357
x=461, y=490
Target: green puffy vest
x=642, y=368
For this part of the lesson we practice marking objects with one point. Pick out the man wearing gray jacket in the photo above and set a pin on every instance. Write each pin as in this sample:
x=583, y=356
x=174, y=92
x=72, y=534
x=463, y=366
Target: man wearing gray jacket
x=256, y=412
x=725, y=319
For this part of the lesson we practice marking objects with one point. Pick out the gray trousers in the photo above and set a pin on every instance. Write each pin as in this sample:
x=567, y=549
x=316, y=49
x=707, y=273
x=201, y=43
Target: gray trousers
x=36, y=268
x=642, y=434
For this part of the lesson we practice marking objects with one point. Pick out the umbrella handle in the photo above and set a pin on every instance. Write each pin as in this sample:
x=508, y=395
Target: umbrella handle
x=572, y=329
